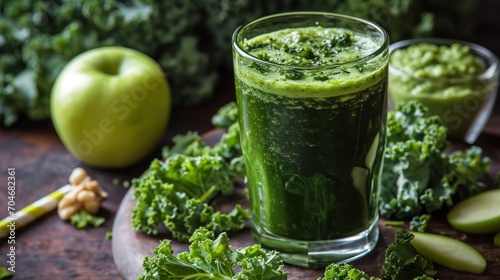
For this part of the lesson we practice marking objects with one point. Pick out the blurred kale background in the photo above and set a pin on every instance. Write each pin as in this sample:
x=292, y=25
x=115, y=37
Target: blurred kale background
x=189, y=38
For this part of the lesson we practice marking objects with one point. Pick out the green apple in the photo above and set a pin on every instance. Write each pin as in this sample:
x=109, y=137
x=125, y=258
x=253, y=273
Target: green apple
x=110, y=106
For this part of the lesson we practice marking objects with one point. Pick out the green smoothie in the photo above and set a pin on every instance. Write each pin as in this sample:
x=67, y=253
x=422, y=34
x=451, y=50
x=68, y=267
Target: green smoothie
x=313, y=139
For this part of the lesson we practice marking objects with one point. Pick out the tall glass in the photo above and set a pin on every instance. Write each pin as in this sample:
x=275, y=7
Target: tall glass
x=311, y=90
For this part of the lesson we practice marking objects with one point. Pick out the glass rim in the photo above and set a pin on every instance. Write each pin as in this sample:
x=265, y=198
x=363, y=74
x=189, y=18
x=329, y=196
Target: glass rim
x=490, y=72
x=383, y=46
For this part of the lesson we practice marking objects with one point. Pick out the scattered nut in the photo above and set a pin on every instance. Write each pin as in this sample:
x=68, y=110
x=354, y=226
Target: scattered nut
x=70, y=197
x=67, y=212
x=92, y=206
x=86, y=194
x=77, y=176
x=95, y=187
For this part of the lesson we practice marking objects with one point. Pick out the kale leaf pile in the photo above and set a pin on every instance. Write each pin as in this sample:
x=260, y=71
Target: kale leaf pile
x=420, y=175
x=178, y=192
x=212, y=258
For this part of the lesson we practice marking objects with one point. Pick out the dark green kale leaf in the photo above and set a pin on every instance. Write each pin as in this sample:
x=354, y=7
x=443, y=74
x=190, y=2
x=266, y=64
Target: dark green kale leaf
x=189, y=144
x=228, y=147
x=226, y=116
x=184, y=215
x=402, y=258
x=420, y=223
x=403, y=261
x=210, y=258
x=199, y=177
x=465, y=167
x=177, y=192
x=345, y=272
x=418, y=175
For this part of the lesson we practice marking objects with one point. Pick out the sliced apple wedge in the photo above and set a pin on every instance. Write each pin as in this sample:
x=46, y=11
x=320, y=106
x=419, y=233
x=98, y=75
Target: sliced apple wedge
x=449, y=252
x=477, y=214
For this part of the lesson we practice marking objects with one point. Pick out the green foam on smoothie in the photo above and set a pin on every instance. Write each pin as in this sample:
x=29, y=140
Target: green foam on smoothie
x=312, y=62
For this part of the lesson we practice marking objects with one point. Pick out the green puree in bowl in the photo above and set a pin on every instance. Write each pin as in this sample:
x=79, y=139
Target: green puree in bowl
x=444, y=78
x=313, y=134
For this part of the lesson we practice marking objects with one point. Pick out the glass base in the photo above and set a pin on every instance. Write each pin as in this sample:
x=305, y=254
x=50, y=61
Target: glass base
x=318, y=253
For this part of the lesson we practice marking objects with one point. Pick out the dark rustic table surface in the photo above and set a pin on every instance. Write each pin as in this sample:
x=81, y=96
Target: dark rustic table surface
x=50, y=248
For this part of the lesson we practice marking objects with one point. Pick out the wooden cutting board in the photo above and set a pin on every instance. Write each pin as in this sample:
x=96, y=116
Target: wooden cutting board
x=130, y=247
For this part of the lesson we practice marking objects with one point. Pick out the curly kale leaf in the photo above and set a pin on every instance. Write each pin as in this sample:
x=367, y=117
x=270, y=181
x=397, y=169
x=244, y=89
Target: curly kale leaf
x=199, y=177
x=176, y=193
x=228, y=147
x=210, y=258
x=465, y=167
x=418, y=176
x=164, y=265
x=403, y=261
x=345, y=272
x=420, y=223
x=184, y=215
x=189, y=144
x=226, y=116
x=400, y=253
